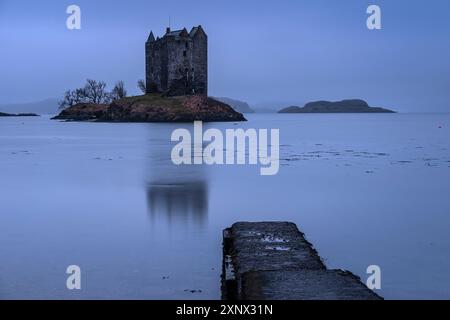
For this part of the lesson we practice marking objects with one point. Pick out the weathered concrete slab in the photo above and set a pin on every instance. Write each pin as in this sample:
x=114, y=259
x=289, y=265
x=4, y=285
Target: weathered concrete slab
x=271, y=246
x=304, y=285
x=273, y=260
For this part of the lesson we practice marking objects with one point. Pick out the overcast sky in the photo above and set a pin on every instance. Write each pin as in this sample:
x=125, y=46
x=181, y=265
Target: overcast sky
x=285, y=52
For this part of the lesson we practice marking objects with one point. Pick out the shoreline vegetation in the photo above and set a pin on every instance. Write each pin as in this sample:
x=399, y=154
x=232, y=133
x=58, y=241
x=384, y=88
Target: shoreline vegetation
x=344, y=106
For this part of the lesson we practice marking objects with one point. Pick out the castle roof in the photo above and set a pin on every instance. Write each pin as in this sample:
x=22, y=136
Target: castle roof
x=193, y=31
x=177, y=33
x=182, y=33
x=174, y=33
x=151, y=37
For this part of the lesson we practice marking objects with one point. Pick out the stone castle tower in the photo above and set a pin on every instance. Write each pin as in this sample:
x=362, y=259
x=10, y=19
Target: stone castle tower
x=177, y=63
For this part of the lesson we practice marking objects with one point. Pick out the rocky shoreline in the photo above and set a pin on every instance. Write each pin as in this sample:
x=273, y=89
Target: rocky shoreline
x=153, y=108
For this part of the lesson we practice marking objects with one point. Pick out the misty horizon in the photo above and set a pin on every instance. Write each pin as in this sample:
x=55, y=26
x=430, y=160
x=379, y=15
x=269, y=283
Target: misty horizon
x=287, y=53
x=211, y=153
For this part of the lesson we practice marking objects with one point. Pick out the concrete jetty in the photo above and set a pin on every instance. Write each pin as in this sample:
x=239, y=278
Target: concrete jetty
x=274, y=261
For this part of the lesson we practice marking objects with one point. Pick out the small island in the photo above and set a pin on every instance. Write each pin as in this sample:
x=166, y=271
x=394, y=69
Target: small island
x=344, y=106
x=153, y=108
x=18, y=115
x=175, y=88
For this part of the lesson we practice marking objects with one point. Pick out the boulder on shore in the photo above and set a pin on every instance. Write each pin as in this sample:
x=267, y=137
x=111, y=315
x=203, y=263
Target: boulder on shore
x=344, y=106
x=153, y=108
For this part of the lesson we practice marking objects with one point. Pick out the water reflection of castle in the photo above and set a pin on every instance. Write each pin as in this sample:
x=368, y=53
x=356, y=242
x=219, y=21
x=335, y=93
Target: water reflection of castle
x=184, y=201
x=174, y=193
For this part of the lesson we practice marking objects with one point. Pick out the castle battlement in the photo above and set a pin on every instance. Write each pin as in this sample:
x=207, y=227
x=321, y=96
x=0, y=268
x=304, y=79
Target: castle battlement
x=177, y=63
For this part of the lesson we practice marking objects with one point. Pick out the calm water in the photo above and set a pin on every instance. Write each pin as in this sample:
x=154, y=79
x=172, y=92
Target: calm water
x=366, y=189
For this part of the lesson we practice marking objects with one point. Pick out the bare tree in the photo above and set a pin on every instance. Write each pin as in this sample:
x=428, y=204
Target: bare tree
x=79, y=95
x=72, y=97
x=67, y=101
x=119, y=91
x=142, y=86
x=95, y=92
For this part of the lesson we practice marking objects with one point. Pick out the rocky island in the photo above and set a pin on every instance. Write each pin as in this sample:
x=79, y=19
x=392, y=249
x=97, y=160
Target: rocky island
x=153, y=108
x=175, y=88
x=344, y=106
x=18, y=115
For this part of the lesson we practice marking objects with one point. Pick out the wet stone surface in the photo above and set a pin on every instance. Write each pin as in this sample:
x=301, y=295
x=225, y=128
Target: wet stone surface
x=274, y=261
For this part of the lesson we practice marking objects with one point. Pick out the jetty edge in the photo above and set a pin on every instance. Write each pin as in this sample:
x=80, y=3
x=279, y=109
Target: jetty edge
x=274, y=261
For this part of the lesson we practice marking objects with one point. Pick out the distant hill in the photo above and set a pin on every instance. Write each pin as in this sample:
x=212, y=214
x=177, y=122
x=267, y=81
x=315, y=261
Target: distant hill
x=18, y=114
x=237, y=105
x=48, y=106
x=344, y=106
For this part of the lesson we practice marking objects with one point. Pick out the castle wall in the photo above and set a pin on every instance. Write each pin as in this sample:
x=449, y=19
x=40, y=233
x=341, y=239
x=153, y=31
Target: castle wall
x=178, y=64
x=200, y=62
x=156, y=66
x=180, y=61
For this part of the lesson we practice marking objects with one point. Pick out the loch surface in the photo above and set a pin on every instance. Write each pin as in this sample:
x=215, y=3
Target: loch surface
x=367, y=189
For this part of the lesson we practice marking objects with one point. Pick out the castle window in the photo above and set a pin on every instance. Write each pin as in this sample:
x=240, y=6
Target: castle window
x=186, y=45
x=184, y=53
